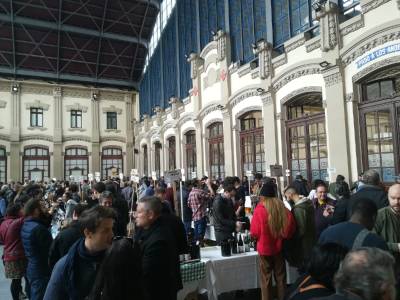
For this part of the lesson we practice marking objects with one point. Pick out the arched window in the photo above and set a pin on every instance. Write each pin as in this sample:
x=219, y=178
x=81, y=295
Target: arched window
x=157, y=158
x=111, y=162
x=36, y=163
x=171, y=153
x=145, y=161
x=76, y=163
x=379, y=123
x=306, y=137
x=3, y=165
x=252, y=143
x=190, y=148
x=216, y=150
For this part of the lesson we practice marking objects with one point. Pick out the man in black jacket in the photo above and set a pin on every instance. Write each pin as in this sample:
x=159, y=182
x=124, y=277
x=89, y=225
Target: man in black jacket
x=160, y=260
x=225, y=221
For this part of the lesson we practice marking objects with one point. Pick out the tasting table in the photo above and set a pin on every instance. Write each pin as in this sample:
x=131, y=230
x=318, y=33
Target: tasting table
x=225, y=274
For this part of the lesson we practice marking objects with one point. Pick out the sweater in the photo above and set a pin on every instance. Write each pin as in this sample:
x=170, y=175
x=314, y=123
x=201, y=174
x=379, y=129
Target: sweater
x=267, y=244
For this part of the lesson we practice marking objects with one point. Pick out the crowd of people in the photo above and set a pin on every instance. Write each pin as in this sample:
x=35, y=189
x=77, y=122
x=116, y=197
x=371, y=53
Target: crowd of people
x=118, y=240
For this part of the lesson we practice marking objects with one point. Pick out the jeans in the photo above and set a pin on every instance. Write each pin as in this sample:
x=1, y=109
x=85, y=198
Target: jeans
x=200, y=229
x=188, y=226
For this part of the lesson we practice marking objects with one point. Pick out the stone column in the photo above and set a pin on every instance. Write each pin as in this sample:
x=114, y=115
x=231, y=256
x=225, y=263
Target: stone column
x=229, y=160
x=58, y=163
x=95, y=157
x=270, y=131
x=178, y=147
x=328, y=16
x=15, y=147
x=224, y=59
x=162, y=154
x=195, y=63
x=199, y=148
x=336, y=123
x=129, y=134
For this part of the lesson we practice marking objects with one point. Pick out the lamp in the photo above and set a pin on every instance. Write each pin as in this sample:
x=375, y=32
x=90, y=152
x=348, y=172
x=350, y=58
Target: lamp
x=14, y=88
x=324, y=64
x=95, y=96
x=261, y=91
x=317, y=4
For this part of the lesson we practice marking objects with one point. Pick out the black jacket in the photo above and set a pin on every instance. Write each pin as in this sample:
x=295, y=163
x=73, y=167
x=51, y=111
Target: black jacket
x=160, y=262
x=371, y=192
x=63, y=242
x=122, y=210
x=224, y=218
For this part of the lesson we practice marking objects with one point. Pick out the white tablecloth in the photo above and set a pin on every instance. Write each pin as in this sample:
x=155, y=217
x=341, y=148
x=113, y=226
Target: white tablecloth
x=225, y=274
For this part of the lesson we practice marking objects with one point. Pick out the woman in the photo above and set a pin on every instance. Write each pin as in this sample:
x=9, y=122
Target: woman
x=14, y=255
x=272, y=222
x=119, y=276
x=321, y=268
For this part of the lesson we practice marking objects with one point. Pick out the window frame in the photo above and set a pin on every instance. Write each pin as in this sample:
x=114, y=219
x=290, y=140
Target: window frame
x=36, y=112
x=112, y=156
x=190, y=151
x=3, y=158
x=68, y=157
x=76, y=118
x=216, y=139
x=112, y=119
x=36, y=157
x=171, y=153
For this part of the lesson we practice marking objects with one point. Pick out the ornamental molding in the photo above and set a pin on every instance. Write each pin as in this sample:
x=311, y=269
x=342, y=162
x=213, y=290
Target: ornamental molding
x=242, y=95
x=207, y=49
x=279, y=60
x=368, y=43
x=40, y=137
x=234, y=67
x=352, y=25
x=80, y=138
x=112, y=108
x=154, y=131
x=246, y=110
x=112, y=96
x=255, y=73
x=244, y=70
x=209, y=109
x=112, y=130
x=57, y=91
x=4, y=137
x=313, y=44
x=167, y=126
x=374, y=67
x=267, y=100
x=370, y=5
x=298, y=92
x=36, y=89
x=37, y=104
x=77, y=106
x=296, y=41
x=37, y=128
x=186, y=118
x=112, y=139
x=77, y=93
x=304, y=70
x=3, y=104
x=333, y=79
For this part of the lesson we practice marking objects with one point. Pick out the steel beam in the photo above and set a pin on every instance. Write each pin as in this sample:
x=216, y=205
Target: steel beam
x=72, y=29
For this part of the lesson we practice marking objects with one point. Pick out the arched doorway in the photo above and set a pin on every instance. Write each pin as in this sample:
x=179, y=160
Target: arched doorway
x=171, y=153
x=157, y=158
x=252, y=143
x=379, y=111
x=190, y=148
x=36, y=163
x=111, y=162
x=306, y=137
x=145, y=161
x=76, y=163
x=216, y=150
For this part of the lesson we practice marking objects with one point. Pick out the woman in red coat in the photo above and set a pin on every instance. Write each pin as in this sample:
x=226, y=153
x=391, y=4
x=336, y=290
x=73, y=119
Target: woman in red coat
x=271, y=223
x=14, y=255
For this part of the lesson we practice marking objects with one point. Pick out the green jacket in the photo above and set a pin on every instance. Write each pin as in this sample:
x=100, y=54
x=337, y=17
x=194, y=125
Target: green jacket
x=387, y=225
x=304, y=239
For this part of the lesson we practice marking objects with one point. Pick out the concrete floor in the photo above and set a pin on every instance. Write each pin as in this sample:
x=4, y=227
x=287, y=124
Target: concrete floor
x=4, y=283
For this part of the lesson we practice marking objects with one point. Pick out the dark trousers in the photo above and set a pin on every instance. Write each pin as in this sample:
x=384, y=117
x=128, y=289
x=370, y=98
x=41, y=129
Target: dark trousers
x=200, y=229
x=15, y=288
x=272, y=265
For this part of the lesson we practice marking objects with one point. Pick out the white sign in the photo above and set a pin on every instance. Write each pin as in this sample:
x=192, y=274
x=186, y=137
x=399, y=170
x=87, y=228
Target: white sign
x=249, y=173
x=121, y=176
x=154, y=175
x=97, y=176
x=135, y=178
x=134, y=172
x=170, y=176
x=90, y=176
x=332, y=170
x=194, y=174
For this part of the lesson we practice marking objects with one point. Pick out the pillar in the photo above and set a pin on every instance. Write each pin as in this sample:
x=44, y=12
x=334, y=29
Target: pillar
x=58, y=164
x=229, y=160
x=195, y=62
x=15, y=147
x=95, y=157
x=199, y=149
x=129, y=134
x=270, y=131
x=178, y=148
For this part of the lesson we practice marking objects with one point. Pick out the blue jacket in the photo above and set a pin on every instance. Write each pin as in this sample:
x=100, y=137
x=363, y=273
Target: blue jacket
x=36, y=239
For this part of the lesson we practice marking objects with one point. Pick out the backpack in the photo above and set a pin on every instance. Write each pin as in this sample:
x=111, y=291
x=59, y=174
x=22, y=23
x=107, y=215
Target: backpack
x=300, y=289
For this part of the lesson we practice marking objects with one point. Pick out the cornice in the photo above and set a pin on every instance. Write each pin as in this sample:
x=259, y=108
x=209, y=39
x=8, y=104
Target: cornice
x=77, y=106
x=367, y=6
x=313, y=44
x=41, y=137
x=37, y=104
x=36, y=89
x=295, y=73
x=279, y=60
x=112, y=139
x=209, y=109
x=296, y=42
x=242, y=95
x=352, y=25
x=77, y=93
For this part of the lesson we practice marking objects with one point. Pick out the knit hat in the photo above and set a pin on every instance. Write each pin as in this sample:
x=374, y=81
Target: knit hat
x=268, y=190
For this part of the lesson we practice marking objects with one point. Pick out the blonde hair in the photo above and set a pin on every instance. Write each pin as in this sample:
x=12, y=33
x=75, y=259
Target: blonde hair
x=277, y=216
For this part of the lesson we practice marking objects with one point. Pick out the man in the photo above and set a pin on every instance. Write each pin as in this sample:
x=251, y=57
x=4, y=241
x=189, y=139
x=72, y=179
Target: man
x=387, y=225
x=198, y=203
x=370, y=189
x=324, y=207
x=224, y=214
x=160, y=259
x=333, y=187
x=365, y=274
x=127, y=192
x=356, y=233
x=304, y=239
x=67, y=236
x=300, y=185
x=121, y=211
x=36, y=240
x=98, y=188
x=74, y=274
x=166, y=206
x=187, y=212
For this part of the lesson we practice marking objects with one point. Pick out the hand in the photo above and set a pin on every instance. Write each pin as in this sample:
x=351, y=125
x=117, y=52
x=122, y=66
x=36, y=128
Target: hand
x=238, y=226
x=327, y=211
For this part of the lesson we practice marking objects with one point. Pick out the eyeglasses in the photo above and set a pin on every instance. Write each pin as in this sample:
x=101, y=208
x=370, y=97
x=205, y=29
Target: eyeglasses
x=120, y=237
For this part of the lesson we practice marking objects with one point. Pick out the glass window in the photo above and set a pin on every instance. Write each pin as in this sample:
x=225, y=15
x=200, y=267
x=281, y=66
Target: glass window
x=216, y=151
x=36, y=163
x=76, y=119
x=111, y=162
x=76, y=163
x=157, y=158
x=145, y=161
x=190, y=147
x=111, y=120
x=379, y=89
x=3, y=165
x=36, y=117
x=171, y=153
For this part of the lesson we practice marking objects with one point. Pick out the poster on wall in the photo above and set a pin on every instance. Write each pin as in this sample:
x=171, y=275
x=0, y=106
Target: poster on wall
x=36, y=175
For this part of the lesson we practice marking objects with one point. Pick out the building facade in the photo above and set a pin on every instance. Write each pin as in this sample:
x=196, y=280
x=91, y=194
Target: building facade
x=57, y=131
x=321, y=104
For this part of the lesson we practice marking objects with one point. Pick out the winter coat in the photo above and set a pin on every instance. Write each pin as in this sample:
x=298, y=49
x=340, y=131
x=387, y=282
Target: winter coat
x=10, y=236
x=267, y=244
x=371, y=192
x=224, y=218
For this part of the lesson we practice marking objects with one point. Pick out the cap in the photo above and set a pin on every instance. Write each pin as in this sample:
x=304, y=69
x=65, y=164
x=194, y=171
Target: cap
x=268, y=190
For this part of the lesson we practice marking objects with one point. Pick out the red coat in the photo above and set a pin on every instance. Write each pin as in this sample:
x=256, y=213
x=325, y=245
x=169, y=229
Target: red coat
x=266, y=244
x=10, y=236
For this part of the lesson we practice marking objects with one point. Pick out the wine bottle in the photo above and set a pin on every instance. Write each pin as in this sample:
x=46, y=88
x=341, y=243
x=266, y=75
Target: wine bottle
x=240, y=244
x=234, y=245
x=247, y=242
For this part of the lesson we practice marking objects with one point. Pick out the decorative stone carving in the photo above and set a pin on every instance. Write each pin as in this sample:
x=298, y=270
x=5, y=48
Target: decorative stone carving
x=3, y=104
x=328, y=16
x=383, y=37
x=297, y=41
x=37, y=104
x=112, y=108
x=145, y=123
x=367, y=6
x=159, y=112
x=221, y=39
x=279, y=61
x=333, y=79
x=175, y=103
x=112, y=96
x=77, y=106
x=255, y=73
x=76, y=93
x=304, y=90
x=264, y=52
x=313, y=44
x=195, y=62
x=57, y=91
x=296, y=73
x=244, y=70
x=36, y=89
x=209, y=109
x=375, y=66
x=112, y=139
x=266, y=100
x=186, y=118
x=352, y=25
x=242, y=95
x=41, y=137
